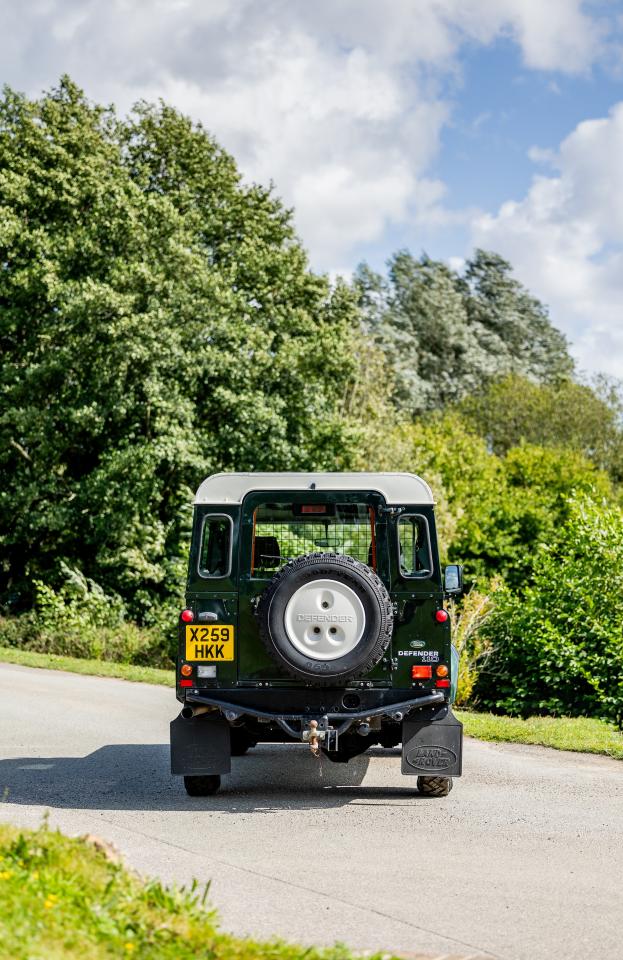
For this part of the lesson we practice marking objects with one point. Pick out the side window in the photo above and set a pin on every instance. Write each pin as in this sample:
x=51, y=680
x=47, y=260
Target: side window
x=215, y=555
x=414, y=546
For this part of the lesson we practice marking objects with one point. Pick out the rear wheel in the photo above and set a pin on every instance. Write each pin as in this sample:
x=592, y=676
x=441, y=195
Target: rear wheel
x=434, y=786
x=202, y=786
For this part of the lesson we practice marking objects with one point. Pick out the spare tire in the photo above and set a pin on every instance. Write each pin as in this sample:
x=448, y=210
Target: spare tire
x=326, y=619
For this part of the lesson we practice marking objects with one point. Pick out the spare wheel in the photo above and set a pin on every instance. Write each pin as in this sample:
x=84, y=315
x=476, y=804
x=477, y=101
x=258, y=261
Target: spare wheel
x=326, y=619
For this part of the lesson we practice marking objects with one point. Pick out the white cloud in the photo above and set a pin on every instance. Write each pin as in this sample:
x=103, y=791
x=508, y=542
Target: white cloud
x=336, y=102
x=565, y=239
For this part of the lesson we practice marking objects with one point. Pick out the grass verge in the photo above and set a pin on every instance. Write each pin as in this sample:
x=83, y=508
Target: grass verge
x=580, y=734
x=64, y=899
x=97, y=668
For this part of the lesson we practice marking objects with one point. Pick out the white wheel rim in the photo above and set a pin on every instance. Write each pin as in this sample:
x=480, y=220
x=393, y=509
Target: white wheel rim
x=324, y=619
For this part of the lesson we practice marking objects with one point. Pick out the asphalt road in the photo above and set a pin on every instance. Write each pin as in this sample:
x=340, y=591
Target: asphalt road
x=524, y=859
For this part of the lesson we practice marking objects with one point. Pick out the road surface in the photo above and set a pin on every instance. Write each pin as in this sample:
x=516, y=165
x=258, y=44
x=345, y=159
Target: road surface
x=524, y=859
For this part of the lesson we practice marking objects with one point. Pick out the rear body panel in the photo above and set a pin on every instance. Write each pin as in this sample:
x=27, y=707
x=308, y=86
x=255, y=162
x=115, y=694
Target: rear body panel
x=417, y=638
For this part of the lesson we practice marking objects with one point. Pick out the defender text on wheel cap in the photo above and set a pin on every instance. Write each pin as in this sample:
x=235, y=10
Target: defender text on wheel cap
x=314, y=614
x=325, y=619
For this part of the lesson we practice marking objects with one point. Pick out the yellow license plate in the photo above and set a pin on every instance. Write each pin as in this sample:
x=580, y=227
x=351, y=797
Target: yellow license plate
x=213, y=643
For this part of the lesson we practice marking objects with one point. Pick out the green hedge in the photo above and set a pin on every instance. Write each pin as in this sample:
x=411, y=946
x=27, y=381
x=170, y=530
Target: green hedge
x=557, y=646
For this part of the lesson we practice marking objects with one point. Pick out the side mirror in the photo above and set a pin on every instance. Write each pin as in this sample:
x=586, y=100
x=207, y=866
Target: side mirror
x=453, y=579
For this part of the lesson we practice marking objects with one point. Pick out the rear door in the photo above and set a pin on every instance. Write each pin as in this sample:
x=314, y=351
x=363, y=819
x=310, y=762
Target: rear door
x=279, y=526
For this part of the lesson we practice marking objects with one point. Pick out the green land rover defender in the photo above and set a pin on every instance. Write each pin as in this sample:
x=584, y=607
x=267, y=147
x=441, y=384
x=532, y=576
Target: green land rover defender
x=315, y=613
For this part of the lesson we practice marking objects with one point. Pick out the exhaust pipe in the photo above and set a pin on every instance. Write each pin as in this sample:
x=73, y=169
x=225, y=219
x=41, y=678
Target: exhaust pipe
x=188, y=712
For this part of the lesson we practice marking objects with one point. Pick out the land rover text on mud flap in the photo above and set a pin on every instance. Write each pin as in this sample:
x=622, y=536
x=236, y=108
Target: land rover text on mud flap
x=315, y=613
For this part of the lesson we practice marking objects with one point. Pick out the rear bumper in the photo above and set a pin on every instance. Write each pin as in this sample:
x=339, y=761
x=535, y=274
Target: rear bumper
x=293, y=722
x=268, y=701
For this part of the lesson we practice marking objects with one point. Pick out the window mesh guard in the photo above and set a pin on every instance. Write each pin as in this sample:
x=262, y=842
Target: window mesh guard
x=278, y=539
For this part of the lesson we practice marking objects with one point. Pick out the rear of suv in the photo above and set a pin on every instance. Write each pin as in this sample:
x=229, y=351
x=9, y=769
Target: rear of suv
x=315, y=614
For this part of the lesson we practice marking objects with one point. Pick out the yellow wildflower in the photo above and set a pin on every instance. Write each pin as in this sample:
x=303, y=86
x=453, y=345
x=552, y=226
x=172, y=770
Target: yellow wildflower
x=129, y=947
x=6, y=874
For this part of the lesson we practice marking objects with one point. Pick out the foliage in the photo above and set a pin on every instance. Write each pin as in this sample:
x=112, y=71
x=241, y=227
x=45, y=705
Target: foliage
x=444, y=334
x=493, y=512
x=558, y=643
x=515, y=410
x=158, y=321
x=80, y=620
x=468, y=619
x=71, y=898
x=528, y=509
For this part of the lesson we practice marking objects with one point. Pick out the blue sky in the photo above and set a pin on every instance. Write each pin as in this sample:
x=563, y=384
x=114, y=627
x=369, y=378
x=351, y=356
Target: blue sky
x=500, y=110
x=436, y=125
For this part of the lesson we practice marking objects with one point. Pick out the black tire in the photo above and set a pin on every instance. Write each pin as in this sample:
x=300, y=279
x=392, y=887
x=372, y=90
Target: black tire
x=202, y=786
x=378, y=618
x=434, y=786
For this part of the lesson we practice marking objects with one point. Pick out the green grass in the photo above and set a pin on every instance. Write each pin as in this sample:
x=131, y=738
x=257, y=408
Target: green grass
x=97, y=668
x=581, y=734
x=66, y=899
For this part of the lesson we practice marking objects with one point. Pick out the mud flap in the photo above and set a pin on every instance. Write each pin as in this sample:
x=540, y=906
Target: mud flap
x=200, y=746
x=433, y=747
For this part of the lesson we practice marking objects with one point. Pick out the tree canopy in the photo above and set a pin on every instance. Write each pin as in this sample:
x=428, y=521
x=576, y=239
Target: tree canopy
x=445, y=334
x=158, y=321
x=515, y=410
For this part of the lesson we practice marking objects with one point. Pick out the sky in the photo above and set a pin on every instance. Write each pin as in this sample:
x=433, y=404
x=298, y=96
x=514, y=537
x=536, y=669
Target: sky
x=435, y=125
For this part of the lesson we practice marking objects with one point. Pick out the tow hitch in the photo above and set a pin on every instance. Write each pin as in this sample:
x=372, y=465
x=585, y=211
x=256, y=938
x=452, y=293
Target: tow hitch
x=319, y=732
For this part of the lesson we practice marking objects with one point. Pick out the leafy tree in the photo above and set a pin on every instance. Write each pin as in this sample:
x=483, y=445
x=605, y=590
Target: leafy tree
x=509, y=324
x=445, y=334
x=527, y=510
x=158, y=321
x=494, y=513
x=558, y=644
x=564, y=414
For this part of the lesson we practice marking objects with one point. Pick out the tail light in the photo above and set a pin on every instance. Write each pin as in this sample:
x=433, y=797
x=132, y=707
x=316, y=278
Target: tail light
x=189, y=683
x=442, y=683
x=421, y=672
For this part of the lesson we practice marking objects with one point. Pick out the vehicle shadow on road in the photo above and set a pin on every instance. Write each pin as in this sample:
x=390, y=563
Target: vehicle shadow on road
x=136, y=777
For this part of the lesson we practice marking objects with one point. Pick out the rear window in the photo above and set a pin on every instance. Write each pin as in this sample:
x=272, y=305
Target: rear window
x=414, y=546
x=284, y=531
x=215, y=555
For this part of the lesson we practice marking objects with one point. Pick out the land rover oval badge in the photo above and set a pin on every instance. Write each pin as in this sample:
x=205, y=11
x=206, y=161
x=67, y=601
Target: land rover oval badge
x=416, y=644
x=431, y=758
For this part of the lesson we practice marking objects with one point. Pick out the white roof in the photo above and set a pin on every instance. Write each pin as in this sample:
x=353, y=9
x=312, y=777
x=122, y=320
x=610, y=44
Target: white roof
x=396, y=488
